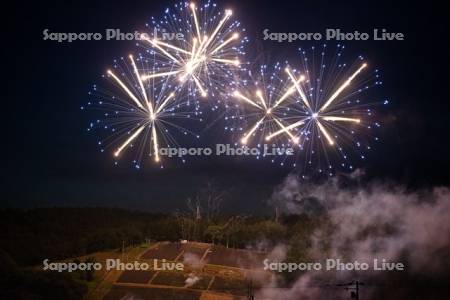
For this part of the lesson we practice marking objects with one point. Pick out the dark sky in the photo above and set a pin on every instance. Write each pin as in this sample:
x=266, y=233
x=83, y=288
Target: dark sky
x=52, y=161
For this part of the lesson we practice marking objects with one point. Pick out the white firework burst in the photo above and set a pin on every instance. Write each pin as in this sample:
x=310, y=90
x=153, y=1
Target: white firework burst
x=207, y=54
x=138, y=114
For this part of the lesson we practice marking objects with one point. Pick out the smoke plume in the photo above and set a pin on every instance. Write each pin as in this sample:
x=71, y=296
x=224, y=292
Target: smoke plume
x=363, y=222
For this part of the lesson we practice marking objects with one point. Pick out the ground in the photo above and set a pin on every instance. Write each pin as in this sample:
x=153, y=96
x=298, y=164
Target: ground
x=211, y=272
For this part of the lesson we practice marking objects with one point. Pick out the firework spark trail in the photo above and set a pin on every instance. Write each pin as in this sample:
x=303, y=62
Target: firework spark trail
x=291, y=89
x=285, y=129
x=129, y=140
x=125, y=88
x=206, y=51
x=341, y=88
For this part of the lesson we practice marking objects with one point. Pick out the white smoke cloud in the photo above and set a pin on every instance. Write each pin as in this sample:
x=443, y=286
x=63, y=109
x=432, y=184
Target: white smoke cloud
x=192, y=260
x=191, y=280
x=370, y=221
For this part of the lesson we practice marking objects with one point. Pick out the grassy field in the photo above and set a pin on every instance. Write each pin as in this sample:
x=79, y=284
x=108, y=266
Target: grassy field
x=176, y=279
x=169, y=251
x=229, y=286
x=136, y=276
x=237, y=258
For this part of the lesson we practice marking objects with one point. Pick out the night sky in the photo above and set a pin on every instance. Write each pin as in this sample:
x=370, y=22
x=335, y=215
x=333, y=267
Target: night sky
x=53, y=161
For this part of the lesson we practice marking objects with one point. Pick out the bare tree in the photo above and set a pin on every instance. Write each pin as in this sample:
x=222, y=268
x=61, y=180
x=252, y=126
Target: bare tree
x=203, y=211
x=208, y=202
x=187, y=226
x=211, y=198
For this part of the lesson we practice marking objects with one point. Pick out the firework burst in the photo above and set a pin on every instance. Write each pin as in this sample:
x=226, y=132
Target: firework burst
x=321, y=109
x=266, y=99
x=138, y=114
x=206, y=56
x=332, y=112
